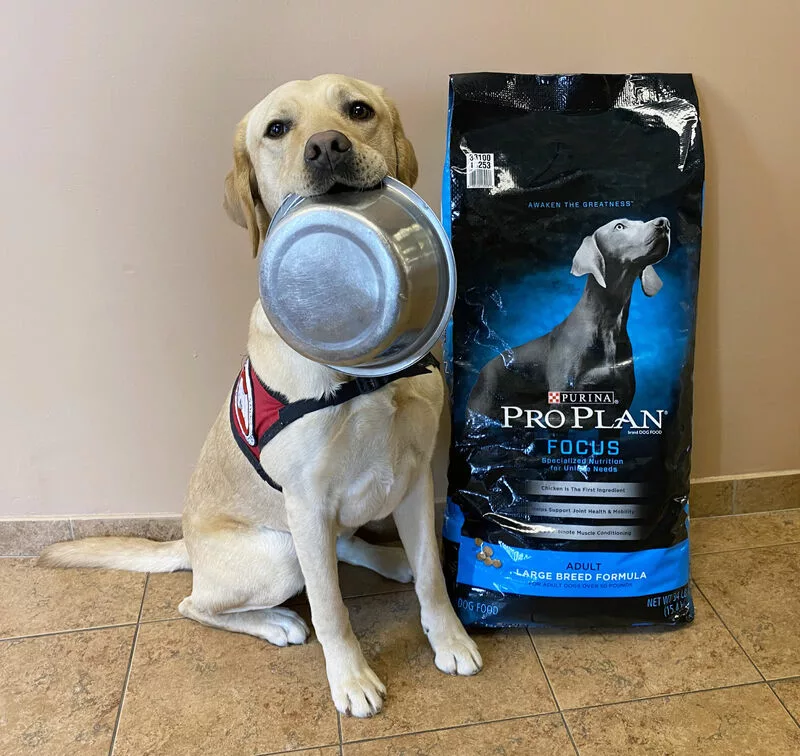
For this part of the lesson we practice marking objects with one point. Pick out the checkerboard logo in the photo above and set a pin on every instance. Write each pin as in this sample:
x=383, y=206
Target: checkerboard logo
x=554, y=397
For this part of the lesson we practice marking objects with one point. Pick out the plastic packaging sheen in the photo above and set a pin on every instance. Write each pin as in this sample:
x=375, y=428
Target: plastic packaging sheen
x=574, y=206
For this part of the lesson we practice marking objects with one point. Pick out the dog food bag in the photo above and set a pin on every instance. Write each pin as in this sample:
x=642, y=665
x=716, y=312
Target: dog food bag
x=574, y=206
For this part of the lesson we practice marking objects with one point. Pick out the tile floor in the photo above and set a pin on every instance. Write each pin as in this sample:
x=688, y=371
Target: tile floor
x=96, y=662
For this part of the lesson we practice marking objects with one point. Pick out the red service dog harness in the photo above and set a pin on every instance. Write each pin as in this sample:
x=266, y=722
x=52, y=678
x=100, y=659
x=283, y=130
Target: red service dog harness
x=258, y=413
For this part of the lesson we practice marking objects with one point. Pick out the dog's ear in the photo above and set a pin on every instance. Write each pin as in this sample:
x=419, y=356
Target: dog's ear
x=589, y=259
x=651, y=281
x=242, y=201
x=405, y=168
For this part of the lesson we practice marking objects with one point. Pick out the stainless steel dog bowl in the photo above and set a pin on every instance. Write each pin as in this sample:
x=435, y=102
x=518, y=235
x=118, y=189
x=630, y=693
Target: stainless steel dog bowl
x=361, y=281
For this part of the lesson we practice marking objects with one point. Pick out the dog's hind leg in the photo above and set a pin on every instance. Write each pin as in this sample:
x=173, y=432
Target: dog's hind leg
x=239, y=579
x=280, y=626
x=389, y=561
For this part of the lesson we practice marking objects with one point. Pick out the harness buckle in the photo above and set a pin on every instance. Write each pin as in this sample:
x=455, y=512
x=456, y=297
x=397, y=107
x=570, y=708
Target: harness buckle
x=368, y=385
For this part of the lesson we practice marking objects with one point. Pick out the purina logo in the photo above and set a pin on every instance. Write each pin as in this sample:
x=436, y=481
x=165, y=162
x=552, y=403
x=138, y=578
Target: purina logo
x=581, y=397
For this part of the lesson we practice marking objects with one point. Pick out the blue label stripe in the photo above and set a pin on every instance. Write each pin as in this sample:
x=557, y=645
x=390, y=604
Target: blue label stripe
x=572, y=574
x=446, y=203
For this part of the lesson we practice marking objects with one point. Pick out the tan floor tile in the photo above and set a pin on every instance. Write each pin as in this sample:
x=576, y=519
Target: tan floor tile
x=29, y=537
x=789, y=692
x=767, y=493
x=59, y=694
x=543, y=736
x=194, y=690
x=39, y=600
x=710, y=498
x=154, y=528
x=165, y=591
x=746, y=721
x=755, y=592
x=422, y=698
x=712, y=534
x=590, y=667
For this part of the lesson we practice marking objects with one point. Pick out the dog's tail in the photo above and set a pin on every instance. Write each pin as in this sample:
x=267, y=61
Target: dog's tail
x=135, y=554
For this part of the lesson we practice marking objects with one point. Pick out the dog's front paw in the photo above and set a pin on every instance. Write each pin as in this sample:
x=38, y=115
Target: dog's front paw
x=457, y=654
x=357, y=692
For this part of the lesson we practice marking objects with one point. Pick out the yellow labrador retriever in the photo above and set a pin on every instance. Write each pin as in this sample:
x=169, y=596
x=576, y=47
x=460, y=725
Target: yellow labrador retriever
x=252, y=547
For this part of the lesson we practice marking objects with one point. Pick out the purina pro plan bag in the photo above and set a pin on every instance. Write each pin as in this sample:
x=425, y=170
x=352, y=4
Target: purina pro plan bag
x=574, y=205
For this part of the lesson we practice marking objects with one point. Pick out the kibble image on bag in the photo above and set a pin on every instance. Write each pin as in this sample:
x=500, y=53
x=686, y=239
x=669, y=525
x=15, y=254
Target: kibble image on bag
x=574, y=207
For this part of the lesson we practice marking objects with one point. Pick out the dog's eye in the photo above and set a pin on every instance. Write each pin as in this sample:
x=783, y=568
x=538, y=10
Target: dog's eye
x=276, y=129
x=360, y=111
x=619, y=227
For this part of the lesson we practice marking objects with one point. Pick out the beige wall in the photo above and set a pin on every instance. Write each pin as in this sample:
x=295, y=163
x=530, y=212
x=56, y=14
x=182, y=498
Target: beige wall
x=125, y=289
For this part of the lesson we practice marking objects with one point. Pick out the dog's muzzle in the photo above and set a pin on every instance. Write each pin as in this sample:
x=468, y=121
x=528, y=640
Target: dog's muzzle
x=660, y=236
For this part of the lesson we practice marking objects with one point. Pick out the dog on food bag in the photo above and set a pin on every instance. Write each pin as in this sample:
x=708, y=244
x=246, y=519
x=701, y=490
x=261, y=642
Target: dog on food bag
x=259, y=530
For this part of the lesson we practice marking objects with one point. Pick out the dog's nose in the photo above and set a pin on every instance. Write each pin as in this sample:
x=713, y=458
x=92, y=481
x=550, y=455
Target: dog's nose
x=662, y=223
x=326, y=148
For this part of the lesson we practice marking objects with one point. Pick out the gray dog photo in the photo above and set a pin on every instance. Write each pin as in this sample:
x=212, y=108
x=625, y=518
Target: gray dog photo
x=590, y=350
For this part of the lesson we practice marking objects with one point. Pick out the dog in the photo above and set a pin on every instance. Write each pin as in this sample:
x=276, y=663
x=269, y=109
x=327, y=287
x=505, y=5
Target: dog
x=250, y=545
x=590, y=349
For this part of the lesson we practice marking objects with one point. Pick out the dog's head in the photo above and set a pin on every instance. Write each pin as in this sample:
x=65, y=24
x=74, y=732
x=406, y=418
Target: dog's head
x=306, y=137
x=622, y=248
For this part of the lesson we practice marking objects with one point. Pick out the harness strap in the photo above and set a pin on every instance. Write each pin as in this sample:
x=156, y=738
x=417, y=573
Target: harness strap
x=347, y=391
x=289, y=412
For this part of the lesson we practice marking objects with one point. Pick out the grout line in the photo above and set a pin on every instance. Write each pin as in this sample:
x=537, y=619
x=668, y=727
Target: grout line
x=743, y=548
x=747, y=476
x=146, y=516
x=666, y=695
x=163, y=619
x=552, y=691
x=724, y=624
x=544, y=671
x=304, y=749
x=373, y=595
x=128, y=671
x=784, y=706
x=734, y=486
x=339, y=727
x=711, y=518
x=70, y=631
x=71, y=529
x=453, y=727
x=569, y=734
